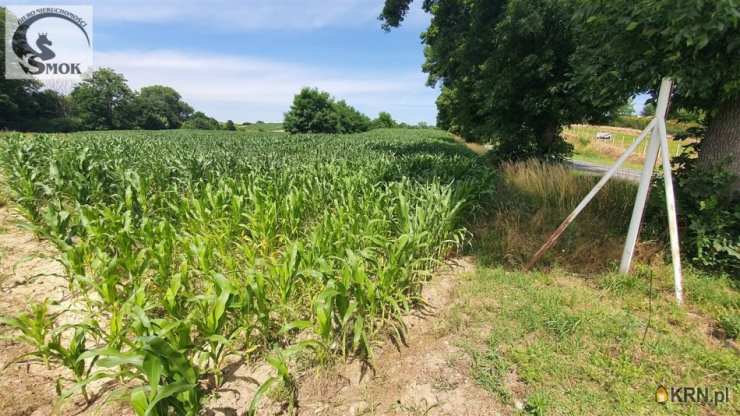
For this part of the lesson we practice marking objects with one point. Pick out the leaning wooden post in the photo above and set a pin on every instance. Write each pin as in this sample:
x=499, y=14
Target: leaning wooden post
x=604, y=179
x=658, y=144
x=645, y=179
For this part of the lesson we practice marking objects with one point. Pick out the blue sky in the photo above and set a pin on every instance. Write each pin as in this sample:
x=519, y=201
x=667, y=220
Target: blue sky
x=245, y=60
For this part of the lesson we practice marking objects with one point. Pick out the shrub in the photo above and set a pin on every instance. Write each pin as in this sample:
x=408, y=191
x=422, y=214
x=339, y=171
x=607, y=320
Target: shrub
x=674, y=127
x=731, y=325
x=384, y=121
x=709, y=215
x=56, y=125
x=349, y=120
x=200, y=121
x=315, y=111
x=229, y=125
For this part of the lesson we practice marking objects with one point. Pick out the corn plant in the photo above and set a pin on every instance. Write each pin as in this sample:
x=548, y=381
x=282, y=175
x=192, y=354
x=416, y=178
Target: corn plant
x=184, y=248
x=34, y=328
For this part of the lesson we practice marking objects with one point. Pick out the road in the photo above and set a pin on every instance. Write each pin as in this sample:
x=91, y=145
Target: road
x=599, y=170
x=587, y=167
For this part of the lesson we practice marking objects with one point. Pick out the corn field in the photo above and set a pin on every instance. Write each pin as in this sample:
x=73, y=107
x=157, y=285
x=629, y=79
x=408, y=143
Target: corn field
x=186, y=248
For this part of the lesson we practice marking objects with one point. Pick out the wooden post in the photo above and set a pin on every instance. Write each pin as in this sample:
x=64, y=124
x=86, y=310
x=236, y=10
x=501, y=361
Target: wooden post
x=658, y=144
x=604, y=179
x=671, y=208
x=647, y=175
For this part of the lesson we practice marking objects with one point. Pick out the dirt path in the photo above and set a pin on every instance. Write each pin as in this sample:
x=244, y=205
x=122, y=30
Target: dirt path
x=28, y=274
x=477, y=148
x=428, y=376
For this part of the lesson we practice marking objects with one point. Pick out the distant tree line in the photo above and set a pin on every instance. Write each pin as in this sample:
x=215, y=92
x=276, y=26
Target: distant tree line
x=103, y=101
x=315, y=111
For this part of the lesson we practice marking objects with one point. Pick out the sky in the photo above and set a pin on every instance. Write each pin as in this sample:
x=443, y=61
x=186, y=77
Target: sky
x=246, y=60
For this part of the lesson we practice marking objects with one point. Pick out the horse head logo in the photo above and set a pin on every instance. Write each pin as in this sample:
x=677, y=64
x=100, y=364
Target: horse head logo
x=31, y=60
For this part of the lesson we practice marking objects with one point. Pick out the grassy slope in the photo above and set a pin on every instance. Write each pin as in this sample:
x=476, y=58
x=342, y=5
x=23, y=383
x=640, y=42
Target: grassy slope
x=261, y=127
x=570, y=341
x=564, y=345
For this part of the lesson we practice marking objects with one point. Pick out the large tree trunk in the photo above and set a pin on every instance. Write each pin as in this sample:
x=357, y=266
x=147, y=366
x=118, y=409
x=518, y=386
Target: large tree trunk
x=722, y=142
x=548, y=136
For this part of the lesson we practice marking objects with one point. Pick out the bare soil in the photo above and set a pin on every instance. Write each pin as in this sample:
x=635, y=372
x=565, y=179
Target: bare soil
x=28, y=273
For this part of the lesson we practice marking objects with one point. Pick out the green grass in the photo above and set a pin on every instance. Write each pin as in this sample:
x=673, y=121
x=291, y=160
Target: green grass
x=261, y=127
x=576, y=346
x=568, y=340
x=589, y=149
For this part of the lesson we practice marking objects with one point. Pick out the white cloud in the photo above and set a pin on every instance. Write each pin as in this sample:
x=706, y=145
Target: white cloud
x=244, y=88
x=230, y=15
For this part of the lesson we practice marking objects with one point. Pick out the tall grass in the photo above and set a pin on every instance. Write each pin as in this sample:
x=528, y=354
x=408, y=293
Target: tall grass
x=534, y=197
x=185, y=248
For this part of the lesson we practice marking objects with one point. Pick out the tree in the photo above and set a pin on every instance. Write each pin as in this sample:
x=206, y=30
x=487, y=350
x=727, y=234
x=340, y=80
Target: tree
x=629, y=45
x=229, y=125
x=626, y=109
x=384, y=121
x=315, y=111
x=104, y=101
x=160, y=107
x=349, y=120
x=648, y=110
x=200, y=121
x=311, y=112
x=505, y=70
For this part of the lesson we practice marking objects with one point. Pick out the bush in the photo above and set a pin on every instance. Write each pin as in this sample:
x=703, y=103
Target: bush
x=709, y=215
x=349, y=120
x=731, y=325
x=384, y=121
x=315, y=111
x=229, y=125
x=200, y=121
x=674, y=127
x=56, y=125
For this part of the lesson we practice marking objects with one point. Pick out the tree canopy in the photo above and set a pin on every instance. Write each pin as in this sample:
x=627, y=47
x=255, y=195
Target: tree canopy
x=104, y=101
x=161, y=107
x=505, y=70
x=384, y=121
x=315, y=111
x=201, y=121
x=629, y=45
x=515, y=70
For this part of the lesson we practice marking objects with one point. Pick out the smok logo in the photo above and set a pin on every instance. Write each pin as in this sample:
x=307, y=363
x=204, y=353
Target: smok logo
x=48, y=42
